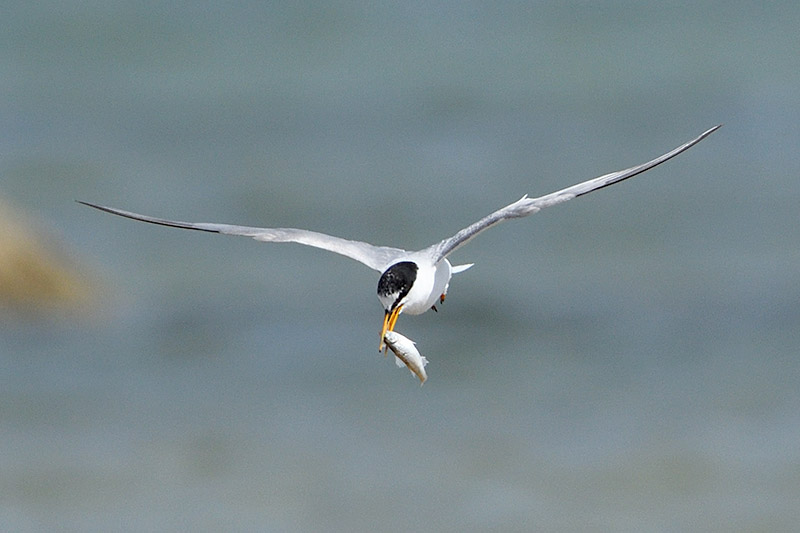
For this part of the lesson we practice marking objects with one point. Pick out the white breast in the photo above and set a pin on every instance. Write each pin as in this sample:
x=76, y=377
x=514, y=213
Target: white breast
x=431, y=283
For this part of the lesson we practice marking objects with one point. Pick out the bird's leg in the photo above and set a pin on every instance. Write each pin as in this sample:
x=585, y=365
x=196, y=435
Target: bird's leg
x=441, y=301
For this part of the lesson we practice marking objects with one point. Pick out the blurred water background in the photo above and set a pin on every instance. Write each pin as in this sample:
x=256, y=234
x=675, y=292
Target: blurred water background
x=624, y=362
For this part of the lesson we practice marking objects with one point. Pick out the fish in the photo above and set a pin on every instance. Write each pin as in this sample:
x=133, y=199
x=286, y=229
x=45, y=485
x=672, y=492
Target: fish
x=406, y=352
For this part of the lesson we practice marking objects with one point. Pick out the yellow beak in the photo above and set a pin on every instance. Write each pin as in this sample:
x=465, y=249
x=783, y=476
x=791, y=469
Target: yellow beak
x=389, y=320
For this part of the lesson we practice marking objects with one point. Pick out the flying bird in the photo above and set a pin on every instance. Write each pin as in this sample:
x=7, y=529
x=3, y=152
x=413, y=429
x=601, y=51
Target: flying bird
x=413, y=281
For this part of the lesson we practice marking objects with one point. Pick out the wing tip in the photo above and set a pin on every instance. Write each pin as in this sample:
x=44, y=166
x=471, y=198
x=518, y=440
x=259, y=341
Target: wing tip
x=97, y=206
x=709, y=131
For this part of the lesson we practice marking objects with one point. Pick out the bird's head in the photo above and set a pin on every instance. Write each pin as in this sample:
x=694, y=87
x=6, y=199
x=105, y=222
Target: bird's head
x=393, y=287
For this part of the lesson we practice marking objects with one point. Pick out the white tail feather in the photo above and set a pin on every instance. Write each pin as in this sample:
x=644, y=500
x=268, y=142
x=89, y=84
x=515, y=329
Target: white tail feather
x=460, y=268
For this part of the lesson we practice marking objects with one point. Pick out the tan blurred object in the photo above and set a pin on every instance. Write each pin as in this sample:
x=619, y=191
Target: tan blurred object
x=35, y=272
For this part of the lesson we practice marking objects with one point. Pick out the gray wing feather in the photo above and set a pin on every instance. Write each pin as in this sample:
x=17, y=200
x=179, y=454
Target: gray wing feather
x=527, y=206
x=375, y=257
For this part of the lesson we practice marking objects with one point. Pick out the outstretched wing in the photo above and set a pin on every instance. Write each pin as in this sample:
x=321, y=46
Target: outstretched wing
x=376, y=257
x=527, y=206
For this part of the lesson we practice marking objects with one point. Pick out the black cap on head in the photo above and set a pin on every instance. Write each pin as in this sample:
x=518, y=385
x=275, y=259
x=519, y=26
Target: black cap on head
x=396, y=281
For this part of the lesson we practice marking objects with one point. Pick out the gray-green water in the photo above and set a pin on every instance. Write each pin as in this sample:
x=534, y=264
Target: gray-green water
x=627, y=361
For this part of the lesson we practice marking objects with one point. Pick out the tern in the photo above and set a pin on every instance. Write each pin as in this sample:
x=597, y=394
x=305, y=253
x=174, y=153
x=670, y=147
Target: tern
x=413, y=281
